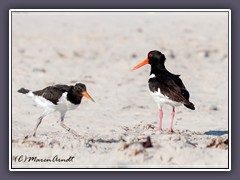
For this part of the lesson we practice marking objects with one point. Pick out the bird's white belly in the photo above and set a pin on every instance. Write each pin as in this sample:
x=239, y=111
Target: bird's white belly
x=161, y=99
x=62, y=105
x=48, y=106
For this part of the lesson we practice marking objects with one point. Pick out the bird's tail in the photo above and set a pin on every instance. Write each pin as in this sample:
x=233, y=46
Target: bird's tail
x=23, y=91
x=189, y=105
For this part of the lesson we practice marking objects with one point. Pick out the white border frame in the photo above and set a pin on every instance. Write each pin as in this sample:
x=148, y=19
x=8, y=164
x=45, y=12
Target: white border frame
x=117, y=10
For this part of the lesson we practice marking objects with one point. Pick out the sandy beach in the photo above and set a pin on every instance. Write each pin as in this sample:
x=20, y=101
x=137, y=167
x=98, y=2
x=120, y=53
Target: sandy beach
x=99, y=50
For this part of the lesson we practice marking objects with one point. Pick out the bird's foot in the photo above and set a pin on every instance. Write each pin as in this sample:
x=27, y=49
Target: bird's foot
x=170, y=130
x=73, y=132
x=69, y=129
x=159, y=129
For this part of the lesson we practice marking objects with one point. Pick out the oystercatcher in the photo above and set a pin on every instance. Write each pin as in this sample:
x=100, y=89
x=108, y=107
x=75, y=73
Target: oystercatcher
x=58, y=98
x=165, y=87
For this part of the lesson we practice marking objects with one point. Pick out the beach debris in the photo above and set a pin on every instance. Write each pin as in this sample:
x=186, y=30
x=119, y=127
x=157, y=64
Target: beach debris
x=77, y=54
x=225, y=56
x=213, y=108
x=136, y=147
x=88, y=142
x=124, y=146
x=28, y=142
x=31, y=143
x=133, y=55
x=39, y=70
x=191, y=143
x=87, y=77
x=41, y=145
x=142, y=107
x=221, y=143
x=112, y=130
x=135, y=152
x=140, y=30
x=60, y=54
x=170, y=159
x=206, y=53
x=21, y=50
x=149, y=126
x=172, y=55
x=101, y=140
x=64, y=147
x=176, y=138
x=125, y=128
x=126, y=107
x=147, y=143
x=54, y=142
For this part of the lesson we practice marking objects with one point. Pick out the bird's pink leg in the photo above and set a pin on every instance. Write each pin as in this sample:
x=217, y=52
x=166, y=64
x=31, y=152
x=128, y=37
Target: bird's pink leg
x=171, y=124
x=160, y=118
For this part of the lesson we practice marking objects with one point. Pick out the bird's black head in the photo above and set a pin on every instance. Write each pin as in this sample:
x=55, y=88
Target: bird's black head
x=81, y=90
x=155, y=58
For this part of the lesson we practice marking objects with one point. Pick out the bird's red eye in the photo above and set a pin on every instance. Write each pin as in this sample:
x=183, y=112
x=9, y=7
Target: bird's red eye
x=150, y=55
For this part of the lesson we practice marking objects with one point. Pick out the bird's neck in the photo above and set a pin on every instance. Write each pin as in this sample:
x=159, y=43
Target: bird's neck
x=157, y=68
x=73, y=97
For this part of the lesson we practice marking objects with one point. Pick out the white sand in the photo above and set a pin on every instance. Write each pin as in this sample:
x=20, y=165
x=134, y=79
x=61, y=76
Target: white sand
x=99, y=51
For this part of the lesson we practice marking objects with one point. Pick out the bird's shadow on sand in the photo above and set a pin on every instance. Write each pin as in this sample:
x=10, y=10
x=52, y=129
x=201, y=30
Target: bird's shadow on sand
x=216, y=133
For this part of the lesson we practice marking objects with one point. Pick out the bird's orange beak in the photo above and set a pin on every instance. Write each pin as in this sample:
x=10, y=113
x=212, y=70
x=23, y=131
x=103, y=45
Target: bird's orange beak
x=146, y=61
x=85, y=94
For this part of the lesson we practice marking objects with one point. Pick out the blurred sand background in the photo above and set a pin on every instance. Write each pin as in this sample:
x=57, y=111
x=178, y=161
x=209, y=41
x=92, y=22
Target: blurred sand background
x=99, y=50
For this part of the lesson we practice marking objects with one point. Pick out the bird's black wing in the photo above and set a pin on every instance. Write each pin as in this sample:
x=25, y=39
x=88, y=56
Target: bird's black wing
x=179, y=83
x=53, y=93
x=170, y=85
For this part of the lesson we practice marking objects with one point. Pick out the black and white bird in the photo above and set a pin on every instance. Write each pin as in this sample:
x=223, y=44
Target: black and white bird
x=165, y=87
x=58, y=98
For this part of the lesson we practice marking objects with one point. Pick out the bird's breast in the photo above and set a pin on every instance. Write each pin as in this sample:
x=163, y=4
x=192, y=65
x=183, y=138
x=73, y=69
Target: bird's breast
x=157, y=95
x=64, y=104
x=162, y=99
